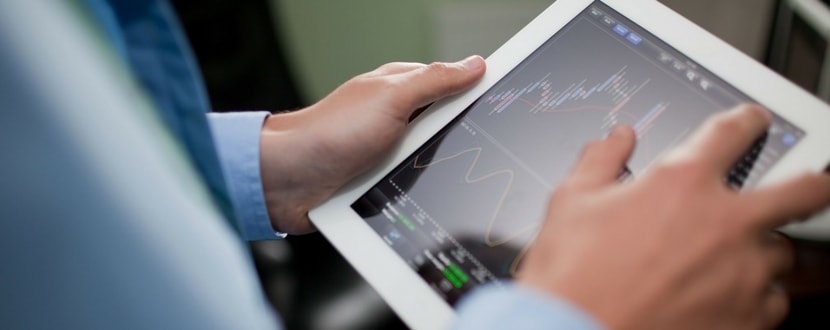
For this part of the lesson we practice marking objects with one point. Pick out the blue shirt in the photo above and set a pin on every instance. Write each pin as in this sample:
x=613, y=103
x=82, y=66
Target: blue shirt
x=489, y=307
x=236, y=137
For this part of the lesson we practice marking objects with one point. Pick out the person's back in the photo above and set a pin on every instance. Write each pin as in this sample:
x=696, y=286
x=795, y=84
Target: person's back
x=104, y=223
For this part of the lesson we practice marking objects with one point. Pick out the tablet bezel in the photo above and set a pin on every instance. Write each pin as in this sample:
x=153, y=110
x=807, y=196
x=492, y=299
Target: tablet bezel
x=410, y=296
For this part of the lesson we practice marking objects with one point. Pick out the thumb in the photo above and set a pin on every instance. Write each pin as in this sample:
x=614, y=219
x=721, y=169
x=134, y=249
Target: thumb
x=438, y=80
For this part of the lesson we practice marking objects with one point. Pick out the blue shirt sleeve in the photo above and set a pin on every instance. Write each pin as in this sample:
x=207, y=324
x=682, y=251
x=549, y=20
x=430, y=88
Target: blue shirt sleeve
x=515, y=307
x=236, y=136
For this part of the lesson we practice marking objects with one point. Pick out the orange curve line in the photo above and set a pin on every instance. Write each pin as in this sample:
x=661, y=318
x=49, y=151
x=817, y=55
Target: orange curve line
x=488, y=240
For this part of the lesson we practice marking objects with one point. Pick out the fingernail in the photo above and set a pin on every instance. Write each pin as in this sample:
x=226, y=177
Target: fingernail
x=762, y=110
x=473, y=63
x=618, y=130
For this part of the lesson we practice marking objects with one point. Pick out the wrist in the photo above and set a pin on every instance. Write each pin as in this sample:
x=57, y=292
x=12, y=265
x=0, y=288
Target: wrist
x=283, y=174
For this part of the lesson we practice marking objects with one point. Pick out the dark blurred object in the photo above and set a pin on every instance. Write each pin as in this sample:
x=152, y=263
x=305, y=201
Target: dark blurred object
x=239, y=54
x=811, y=276
x=809, y=285
x=799, y=46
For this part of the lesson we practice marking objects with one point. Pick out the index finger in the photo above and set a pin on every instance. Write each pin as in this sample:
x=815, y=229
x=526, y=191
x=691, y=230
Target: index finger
x=725, y=137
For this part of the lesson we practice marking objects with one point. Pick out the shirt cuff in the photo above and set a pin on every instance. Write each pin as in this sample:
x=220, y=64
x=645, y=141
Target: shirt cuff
x=236, y=136
x=515, y=307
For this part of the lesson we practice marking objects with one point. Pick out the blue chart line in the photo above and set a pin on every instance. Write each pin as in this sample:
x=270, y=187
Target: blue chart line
x=644, y=123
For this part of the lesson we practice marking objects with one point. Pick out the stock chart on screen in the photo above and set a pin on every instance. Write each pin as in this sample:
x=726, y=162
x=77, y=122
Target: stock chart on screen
x=462, y=210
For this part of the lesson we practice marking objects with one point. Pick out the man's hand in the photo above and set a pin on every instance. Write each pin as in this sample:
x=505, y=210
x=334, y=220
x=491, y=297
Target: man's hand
x=307, y=155
x=675, y=248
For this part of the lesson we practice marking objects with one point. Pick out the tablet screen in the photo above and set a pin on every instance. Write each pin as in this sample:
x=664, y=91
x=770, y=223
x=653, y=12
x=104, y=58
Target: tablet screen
x=462, y=209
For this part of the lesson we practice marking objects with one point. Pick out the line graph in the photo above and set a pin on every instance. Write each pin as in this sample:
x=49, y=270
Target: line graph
x=612, y=95
x=489, y=240
x=618, y=97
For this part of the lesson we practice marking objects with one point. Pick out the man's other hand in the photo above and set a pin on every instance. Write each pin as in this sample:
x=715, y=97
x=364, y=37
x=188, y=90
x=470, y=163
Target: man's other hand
x=675, y=248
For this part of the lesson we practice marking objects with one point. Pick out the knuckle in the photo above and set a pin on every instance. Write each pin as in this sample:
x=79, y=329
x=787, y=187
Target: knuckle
x=689, y=176
x=680, y=168
x=745, y=119
x=438, y=66
x=754, y=113
x=386, y=66
x=440, y=69
x=388, y=69
x=366, y=82
x=382, y=88
x=392, y=65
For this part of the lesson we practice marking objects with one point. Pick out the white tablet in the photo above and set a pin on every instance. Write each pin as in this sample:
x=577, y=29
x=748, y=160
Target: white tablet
x=457, y=204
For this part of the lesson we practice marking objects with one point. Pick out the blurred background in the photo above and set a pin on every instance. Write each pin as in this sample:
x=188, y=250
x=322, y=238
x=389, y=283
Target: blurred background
x=285, y=54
